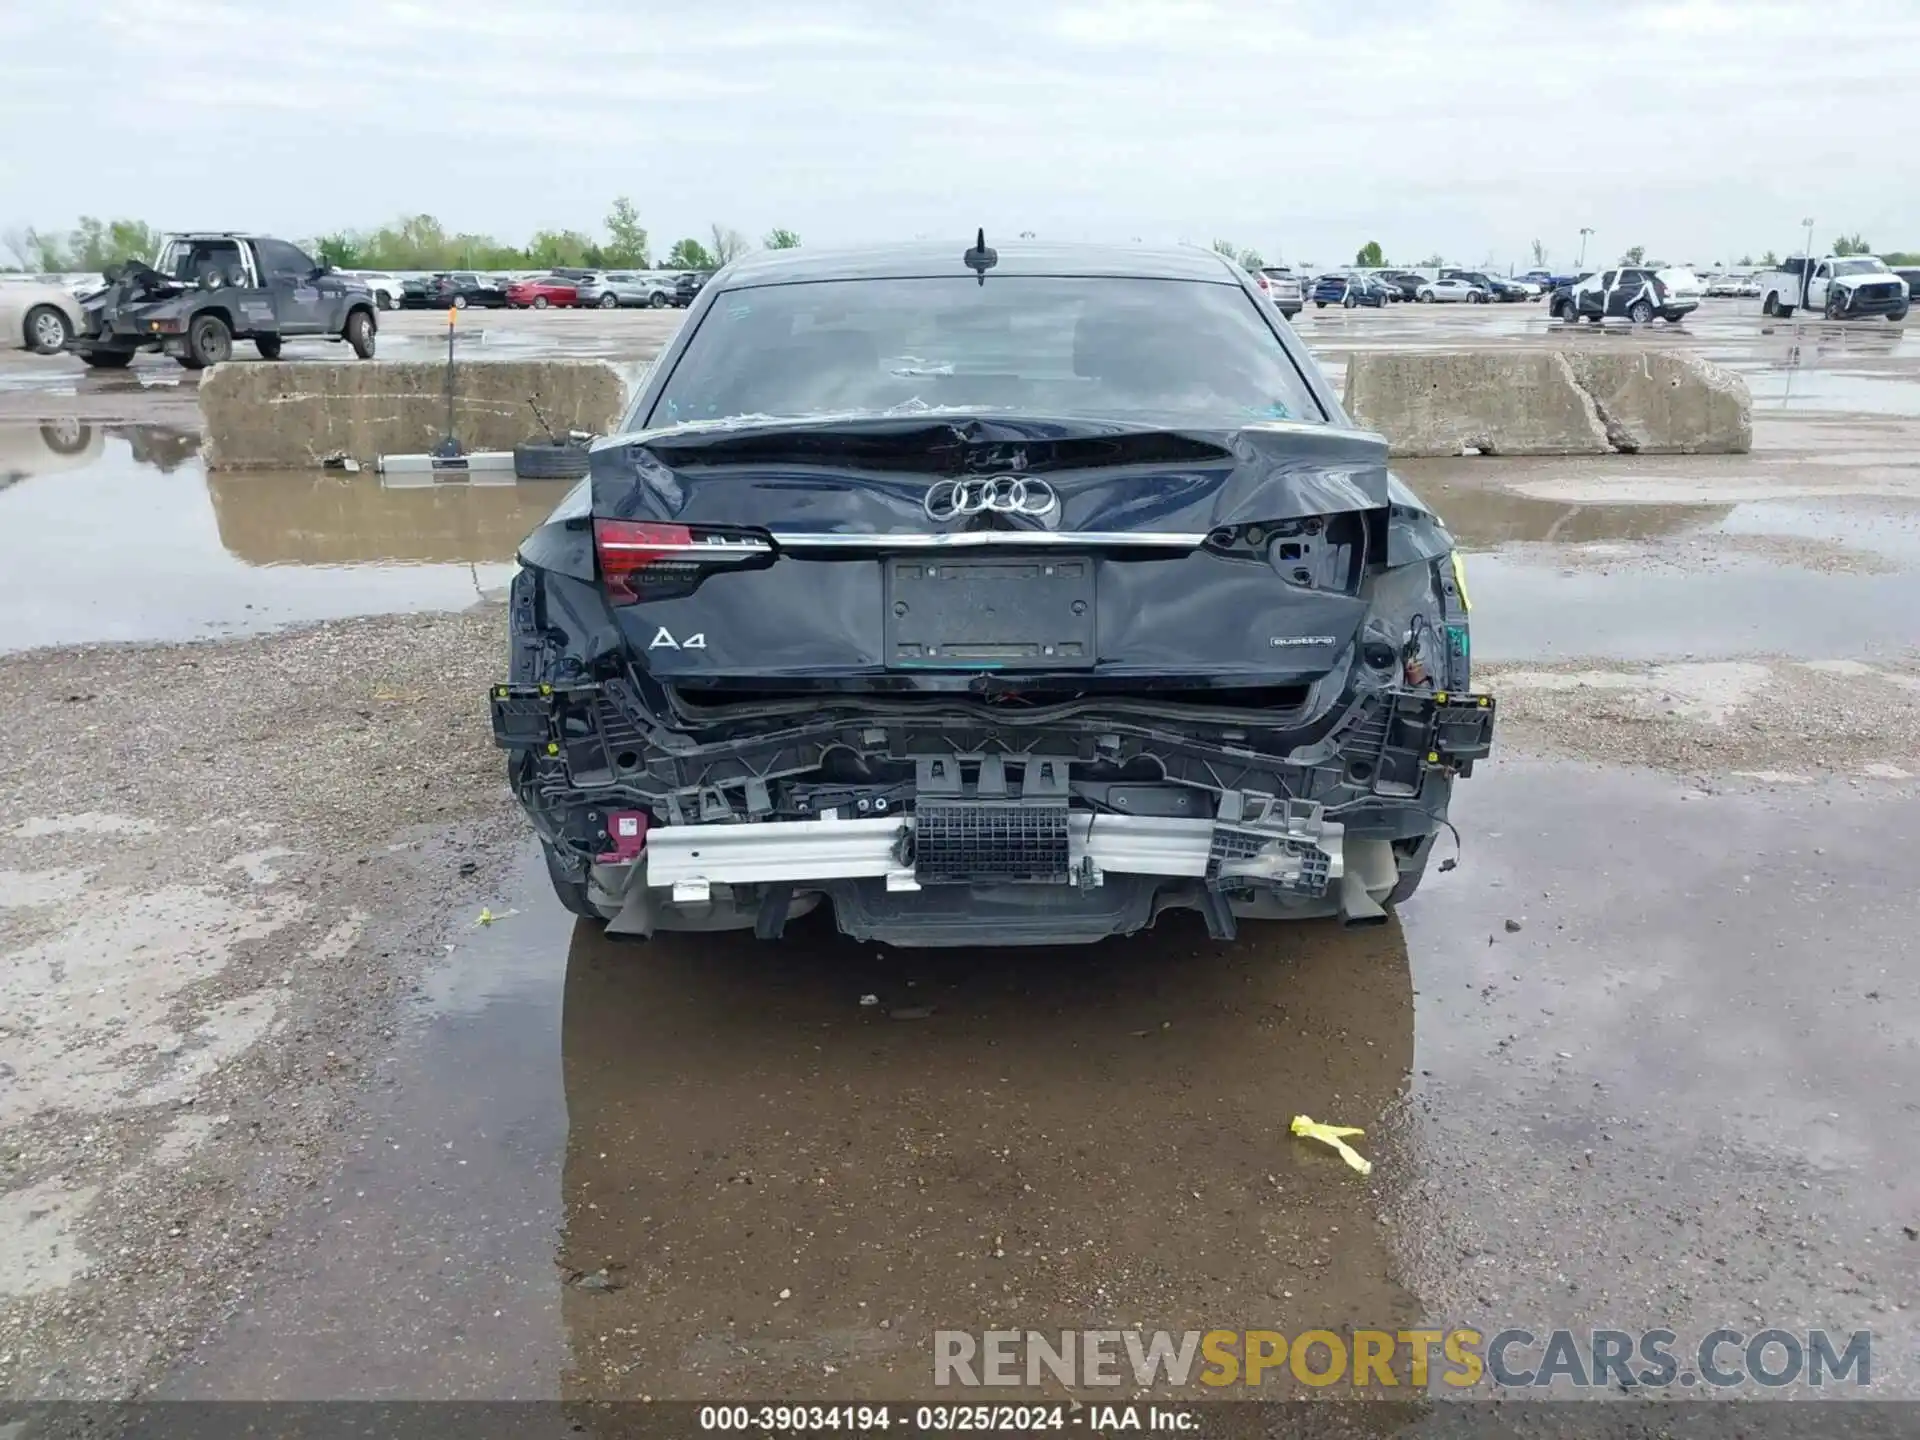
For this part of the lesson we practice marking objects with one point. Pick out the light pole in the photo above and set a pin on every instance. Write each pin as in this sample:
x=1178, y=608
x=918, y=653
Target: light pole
x=1808, y=222
x=1585, y=231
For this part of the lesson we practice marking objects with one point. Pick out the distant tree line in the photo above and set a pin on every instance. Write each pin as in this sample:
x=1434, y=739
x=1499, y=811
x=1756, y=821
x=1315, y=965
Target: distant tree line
x=412, y=242
x=421, y=242
x=91, y=245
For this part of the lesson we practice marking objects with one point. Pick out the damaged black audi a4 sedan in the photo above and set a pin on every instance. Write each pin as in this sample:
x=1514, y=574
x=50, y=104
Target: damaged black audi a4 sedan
x=987, y=597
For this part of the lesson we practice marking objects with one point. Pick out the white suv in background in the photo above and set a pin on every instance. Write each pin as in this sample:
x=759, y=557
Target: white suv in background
x=385, y=287
x=1280, y=285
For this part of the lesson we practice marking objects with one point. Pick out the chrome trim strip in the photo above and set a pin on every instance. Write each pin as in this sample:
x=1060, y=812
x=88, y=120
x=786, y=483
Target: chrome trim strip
x=708, y=550
x=972, y=539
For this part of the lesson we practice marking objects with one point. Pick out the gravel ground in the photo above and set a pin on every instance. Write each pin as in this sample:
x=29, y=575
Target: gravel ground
x=1709, y=552
x=285, y=878
x=1759, y=717
x=278, y=833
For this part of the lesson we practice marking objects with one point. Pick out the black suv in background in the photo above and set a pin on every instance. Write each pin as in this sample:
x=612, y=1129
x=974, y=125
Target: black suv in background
x=461, y=288
x=687, y=284
x=1405, y=281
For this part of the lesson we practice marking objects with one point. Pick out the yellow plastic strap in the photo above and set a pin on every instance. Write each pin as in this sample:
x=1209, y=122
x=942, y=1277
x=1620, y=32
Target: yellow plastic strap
x=1334, y=1135
x=1460, y=580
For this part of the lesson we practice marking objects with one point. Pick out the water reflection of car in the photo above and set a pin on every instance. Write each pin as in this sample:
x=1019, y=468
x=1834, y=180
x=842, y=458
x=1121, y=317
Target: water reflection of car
x=27, y=450
x=36, y=317
x=664, y=1143
x=165, y=447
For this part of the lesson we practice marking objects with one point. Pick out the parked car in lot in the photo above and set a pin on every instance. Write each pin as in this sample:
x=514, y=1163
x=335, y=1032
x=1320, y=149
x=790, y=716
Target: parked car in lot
x=1633, y=293
x=1493, y=287
x=687, y=284
x=461, y=288
x=1560, y=299
x=1348, y=291
x=1841, y=287
x=1405, y=283
x=541, y=292
x=1448, y=290
x=810, y=657
x=1540, y=277
x=1280, y=285
x=386, y=288
x=1912, y=277
x=36, y=317
x=207, y=289
x=611, y=289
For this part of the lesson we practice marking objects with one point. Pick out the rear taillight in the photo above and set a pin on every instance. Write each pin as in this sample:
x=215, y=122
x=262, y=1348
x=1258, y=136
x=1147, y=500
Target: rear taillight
x=1261, y=281
x=646, y=559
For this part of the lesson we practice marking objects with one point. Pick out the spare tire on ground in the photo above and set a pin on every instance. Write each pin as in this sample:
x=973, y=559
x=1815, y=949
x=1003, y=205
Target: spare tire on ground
x=544, y=459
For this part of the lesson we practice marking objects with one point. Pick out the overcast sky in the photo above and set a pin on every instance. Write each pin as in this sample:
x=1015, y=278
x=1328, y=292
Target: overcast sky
x=1696, y=128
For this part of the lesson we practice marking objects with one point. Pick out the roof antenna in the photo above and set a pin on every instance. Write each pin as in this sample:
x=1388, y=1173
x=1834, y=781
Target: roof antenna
x=980, y=258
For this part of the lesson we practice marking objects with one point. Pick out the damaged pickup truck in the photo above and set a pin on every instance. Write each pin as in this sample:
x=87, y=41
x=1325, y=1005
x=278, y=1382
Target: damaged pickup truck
x=207, y=289
x=1012, y=598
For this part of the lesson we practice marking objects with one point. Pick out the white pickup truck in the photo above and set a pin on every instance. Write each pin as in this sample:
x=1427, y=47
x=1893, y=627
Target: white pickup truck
x=1840, y=287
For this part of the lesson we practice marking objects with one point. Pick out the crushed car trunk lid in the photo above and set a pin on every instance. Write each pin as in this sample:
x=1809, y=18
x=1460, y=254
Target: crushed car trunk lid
x=908, y=553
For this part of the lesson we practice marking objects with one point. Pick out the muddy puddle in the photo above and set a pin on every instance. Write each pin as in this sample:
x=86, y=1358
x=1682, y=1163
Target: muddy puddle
x=116, y=533
x=703, y=1166
x=1543, y=609
x=1792, y=576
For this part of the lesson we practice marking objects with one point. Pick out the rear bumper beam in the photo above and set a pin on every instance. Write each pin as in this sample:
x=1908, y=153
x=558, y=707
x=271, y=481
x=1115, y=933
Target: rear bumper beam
x=691, y=858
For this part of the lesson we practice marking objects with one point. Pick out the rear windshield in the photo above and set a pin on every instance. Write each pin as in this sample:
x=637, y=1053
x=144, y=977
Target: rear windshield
x=1040, y=345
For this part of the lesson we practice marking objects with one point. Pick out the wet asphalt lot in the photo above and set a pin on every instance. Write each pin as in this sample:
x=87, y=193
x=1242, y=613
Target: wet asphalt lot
x=1650, y=1056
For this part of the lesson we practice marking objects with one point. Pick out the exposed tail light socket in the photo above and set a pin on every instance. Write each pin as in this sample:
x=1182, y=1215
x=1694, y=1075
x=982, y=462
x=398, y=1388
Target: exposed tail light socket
x=626, y=837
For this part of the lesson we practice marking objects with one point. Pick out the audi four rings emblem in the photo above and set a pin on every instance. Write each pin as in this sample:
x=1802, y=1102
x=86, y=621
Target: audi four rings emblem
x=1008, y=494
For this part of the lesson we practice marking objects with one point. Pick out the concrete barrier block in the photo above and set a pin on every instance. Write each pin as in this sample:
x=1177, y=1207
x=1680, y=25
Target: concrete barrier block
x=1639, y=400
x=278, y=414
x=1498, y=402
x=1666, y=402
